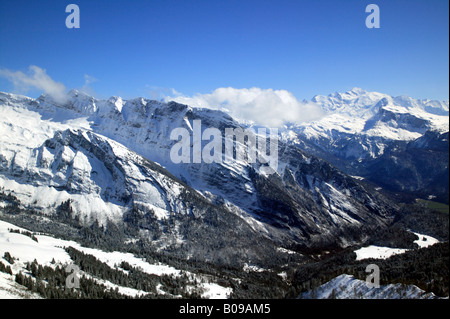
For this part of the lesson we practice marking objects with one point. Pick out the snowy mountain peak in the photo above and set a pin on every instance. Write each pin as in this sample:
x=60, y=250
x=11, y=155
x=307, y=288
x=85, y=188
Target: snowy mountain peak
x=79, y=94
x=352, y=102
x=117, y=102
x=10, y=98
x=357, y=90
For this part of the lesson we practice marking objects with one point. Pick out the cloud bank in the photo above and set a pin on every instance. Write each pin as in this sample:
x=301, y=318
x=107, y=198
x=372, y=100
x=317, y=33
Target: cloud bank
x=36, y=78
x=160, y=93
x=267, y=107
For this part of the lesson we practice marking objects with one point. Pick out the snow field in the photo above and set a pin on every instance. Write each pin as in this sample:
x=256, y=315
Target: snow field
x=377, y=252
x=24, y=249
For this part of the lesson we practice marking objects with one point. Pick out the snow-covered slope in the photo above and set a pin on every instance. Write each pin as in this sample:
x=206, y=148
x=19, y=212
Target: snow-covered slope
x=9, y=289
x=348, y=287
x=50, y=251
x=377, y=252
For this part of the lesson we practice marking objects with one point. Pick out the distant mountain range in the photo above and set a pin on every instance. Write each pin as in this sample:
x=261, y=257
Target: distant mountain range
x=399, y=143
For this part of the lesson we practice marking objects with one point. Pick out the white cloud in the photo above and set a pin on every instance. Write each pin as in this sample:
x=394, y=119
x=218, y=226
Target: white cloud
x=36, y=78
x=86, y=88
x=268, y=107
x=161, y=93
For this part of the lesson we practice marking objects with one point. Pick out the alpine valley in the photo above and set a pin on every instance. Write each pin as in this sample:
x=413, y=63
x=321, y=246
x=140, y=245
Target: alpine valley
x=91, y=183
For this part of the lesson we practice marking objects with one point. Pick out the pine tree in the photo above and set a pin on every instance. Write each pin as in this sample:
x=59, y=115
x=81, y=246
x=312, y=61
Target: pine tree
x=8, y=258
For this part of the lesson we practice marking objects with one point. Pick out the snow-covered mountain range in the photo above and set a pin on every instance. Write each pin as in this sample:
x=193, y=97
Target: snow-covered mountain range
x=111, y=158
x=384, y=139
x=360, y=124
x=88, y=166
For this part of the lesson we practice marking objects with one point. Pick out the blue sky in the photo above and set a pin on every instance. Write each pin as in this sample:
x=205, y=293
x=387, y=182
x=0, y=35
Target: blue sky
x=307, y=47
